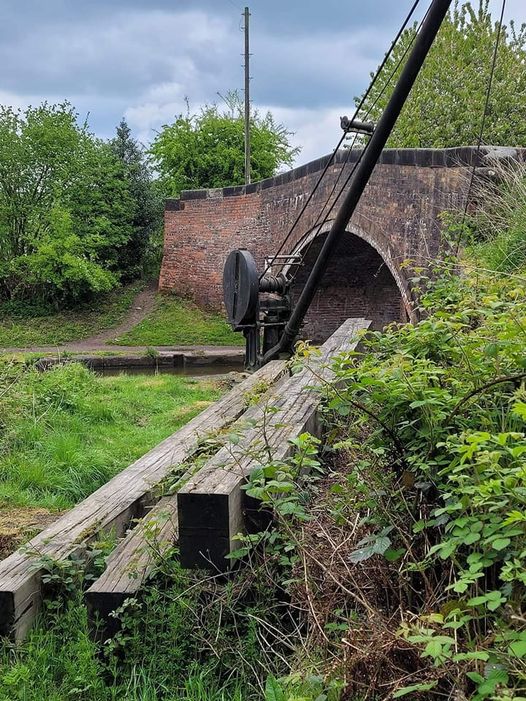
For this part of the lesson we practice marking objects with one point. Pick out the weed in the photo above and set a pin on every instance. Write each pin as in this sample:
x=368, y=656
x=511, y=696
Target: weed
x=152, y=353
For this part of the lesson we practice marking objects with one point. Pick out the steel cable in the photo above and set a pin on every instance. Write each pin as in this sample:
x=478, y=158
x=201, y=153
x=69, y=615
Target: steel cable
x=320, y=223
x=342, y=139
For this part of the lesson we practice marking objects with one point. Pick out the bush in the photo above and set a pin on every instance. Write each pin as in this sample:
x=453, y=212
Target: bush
x=442, y=407
x=76, y=213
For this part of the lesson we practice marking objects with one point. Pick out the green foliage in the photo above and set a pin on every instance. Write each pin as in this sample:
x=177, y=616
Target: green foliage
x=37, y=158
x=147, y=209
x=176, y=321
x=444, y=406
x=54, y=665
x=498, y=225
x=185, y=639
x=446, y=104
x=73, y=209
x=296, y=688
x=206, y=150
x=282, y=484
x=65, y=432
x=284, y=489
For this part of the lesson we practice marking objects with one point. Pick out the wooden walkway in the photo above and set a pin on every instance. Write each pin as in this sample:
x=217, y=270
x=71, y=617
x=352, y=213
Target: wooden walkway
x=205, y=514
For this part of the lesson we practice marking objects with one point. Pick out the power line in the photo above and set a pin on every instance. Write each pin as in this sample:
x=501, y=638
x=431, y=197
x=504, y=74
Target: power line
x=342, y=139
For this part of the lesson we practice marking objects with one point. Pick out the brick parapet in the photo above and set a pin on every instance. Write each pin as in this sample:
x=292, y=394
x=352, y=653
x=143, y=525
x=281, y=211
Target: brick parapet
x=398, y=215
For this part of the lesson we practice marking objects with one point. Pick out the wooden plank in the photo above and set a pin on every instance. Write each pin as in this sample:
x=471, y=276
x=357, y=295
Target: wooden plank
x=129, y=566
x=211, y=504
x=134, y=558
x=113, y=506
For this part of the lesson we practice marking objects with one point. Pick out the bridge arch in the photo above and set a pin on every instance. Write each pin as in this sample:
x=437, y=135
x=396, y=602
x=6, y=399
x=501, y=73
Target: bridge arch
x=399, y=215
x=363, y=279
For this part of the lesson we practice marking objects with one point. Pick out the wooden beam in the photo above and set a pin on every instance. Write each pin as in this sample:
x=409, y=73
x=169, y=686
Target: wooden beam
x=129, y=566
x=114, y=505
x=211, y=505
x=135, y=557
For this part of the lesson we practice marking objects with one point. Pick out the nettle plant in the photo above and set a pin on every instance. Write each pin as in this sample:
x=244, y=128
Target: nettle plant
x=443, y=407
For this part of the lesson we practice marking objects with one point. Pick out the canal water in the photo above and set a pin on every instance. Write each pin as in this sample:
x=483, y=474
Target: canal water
x=211, y=370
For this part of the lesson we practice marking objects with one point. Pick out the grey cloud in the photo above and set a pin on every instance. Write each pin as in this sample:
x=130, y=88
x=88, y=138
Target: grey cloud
x=143, y=57
x=121, y=56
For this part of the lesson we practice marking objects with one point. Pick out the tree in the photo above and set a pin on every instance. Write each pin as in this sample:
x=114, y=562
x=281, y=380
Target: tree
x=66, y=211
x=206, y=150
x=146, y=219
x=38, y=151
x=446, y=104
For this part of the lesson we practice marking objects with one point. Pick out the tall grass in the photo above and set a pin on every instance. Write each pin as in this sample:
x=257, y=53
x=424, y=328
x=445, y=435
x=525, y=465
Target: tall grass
x=499, y=221
x=165, y=650
x=65, y=432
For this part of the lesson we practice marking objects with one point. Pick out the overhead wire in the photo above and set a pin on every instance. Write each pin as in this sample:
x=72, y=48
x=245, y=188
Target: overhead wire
x=342, y=139
x=321, y=222
x=482, y=122
x=479, y=140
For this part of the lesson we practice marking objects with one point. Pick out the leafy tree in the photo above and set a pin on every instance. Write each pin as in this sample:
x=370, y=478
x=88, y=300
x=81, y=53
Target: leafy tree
x=102, y=206
x=147, y=202
x=66, y=207
x=206, y=150
x=446, y=104
x=38, y=150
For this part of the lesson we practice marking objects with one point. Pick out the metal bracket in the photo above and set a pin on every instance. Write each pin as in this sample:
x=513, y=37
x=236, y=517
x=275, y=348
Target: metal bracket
x=357, y=126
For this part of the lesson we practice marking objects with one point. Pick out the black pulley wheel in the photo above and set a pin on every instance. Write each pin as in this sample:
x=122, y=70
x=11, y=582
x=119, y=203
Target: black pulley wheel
x=240, y=288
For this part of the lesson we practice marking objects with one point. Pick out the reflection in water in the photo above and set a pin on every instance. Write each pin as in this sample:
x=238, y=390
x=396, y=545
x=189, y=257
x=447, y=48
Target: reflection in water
x=187, y=371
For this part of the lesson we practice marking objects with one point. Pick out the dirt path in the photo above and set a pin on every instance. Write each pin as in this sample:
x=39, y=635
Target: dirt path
x=142, y=305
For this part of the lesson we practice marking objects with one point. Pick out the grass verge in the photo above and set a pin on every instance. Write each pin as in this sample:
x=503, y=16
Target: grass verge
x=65, y=432
x=26, y=326
x=178, y=322
x=164, y=651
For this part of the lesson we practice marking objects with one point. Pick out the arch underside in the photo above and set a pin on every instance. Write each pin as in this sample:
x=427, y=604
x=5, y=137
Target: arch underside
x=357, y=283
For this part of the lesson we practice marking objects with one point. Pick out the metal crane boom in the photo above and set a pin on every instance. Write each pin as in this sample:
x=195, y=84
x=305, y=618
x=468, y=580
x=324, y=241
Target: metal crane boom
x=284, y=332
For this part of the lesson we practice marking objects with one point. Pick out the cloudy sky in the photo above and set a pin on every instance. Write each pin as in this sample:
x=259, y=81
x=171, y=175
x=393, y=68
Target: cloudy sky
x=141, y=58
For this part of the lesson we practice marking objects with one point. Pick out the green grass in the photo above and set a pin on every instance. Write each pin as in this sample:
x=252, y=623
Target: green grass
x=65, y=432
x=59, y=661
x=22, y=326
x=177, y=322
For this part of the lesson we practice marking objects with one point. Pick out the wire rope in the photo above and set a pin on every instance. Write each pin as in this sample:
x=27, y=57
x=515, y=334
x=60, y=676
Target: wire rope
x=320, y=223
x=342, y=139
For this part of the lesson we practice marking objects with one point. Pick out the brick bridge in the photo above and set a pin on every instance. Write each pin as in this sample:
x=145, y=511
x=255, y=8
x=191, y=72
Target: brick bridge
x=398, y=219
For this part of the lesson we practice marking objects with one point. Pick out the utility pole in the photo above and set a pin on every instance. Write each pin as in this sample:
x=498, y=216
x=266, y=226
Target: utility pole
x=246, y=15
